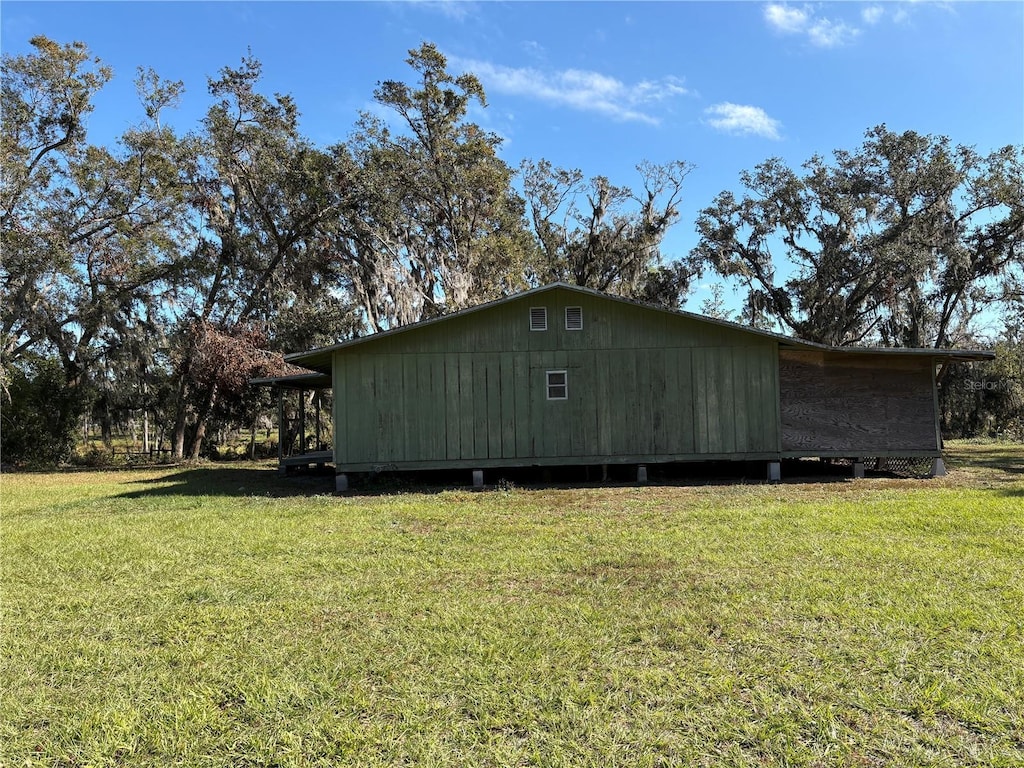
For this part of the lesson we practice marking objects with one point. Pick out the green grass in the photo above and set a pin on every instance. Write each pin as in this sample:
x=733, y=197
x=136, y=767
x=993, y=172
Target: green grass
x=223, y=616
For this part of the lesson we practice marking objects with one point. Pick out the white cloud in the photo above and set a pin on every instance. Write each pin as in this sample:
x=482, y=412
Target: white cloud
x=743, y=120
x=872, y=14
x=829, y=34
x=820, y=31
x=457, y=10
x=533, y=49
x=580, y=89
x=786, y=19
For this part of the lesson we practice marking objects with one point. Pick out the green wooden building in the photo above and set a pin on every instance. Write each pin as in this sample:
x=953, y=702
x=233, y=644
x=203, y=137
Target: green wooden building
x=566, y=375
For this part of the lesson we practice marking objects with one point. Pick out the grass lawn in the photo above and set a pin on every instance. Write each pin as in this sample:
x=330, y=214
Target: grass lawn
x=224, y=616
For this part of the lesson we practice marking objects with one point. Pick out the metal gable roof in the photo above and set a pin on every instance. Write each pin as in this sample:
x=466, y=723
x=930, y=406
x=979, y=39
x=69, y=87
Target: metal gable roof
x=320, y=359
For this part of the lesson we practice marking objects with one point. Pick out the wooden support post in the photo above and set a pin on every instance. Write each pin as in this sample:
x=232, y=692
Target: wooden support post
x=341, y=482
x=318, y=403
x=774, y=471
x=858, y=469
x=302, y=421
x=604, y=473
x=938, y=467
x=641, y=474
x=280, y=427
x=478, y=478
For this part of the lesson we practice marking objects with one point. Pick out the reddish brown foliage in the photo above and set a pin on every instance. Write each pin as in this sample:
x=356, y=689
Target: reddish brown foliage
x=228, y=359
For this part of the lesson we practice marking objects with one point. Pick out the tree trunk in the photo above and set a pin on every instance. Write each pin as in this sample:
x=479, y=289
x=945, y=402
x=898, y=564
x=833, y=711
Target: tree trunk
x=252, y=437
x=197, y=440
x=180, y=422
x=145, y=416
x=178, y=441
x=202, y=418
x=106, y=427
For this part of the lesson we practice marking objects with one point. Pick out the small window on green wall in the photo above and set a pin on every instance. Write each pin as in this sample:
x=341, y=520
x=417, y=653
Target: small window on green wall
x=558, y=385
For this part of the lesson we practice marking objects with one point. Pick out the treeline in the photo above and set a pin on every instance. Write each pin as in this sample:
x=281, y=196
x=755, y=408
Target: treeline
x=149, y=280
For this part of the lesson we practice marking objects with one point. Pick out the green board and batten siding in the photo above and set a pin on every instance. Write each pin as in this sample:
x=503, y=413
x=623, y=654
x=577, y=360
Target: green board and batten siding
x=471, y=391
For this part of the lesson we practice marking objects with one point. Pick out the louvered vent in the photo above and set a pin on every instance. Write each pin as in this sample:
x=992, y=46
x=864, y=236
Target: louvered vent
x=538, y=318
x=574, y=318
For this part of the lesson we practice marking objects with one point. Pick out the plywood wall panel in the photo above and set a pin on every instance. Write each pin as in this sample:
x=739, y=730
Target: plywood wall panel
x=855, y=402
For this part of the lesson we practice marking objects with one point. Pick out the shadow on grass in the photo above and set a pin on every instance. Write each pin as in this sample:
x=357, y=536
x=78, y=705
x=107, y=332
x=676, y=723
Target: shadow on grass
x=1002, y=464
x=250, y=481
x=233, y=481
x=1004, y=457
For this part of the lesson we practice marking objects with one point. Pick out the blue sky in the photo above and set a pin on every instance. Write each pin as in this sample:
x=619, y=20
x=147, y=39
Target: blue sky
x=598, y=86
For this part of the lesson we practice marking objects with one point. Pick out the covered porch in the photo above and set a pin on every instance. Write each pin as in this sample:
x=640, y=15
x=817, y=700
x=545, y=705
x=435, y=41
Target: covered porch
x=305, y=436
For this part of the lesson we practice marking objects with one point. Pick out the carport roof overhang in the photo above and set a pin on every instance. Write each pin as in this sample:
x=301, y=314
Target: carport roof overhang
x=944, y=355
x=295, y=381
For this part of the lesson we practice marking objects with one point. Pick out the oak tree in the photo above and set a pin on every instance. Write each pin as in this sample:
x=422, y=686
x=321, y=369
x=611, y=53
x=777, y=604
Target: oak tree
x=900, y=242
x=607, y=237
x=433, y=224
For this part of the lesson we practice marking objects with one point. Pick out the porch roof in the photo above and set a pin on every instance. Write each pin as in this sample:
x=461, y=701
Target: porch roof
x=296, y=381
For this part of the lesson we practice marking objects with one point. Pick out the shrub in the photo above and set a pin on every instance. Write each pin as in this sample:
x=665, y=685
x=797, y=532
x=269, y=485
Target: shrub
x=40, y=414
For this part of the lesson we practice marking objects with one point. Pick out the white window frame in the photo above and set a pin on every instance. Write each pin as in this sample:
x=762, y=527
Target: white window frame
x=545, y=311
x=564, y=385
x=567, y=319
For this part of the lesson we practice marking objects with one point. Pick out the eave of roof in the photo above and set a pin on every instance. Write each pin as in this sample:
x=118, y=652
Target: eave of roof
x=296, y=381
x=320, y=359
x=953, y=354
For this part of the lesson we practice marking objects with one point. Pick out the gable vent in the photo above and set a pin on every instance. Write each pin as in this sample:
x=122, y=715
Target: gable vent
x=538, y=318
x=574, y=318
